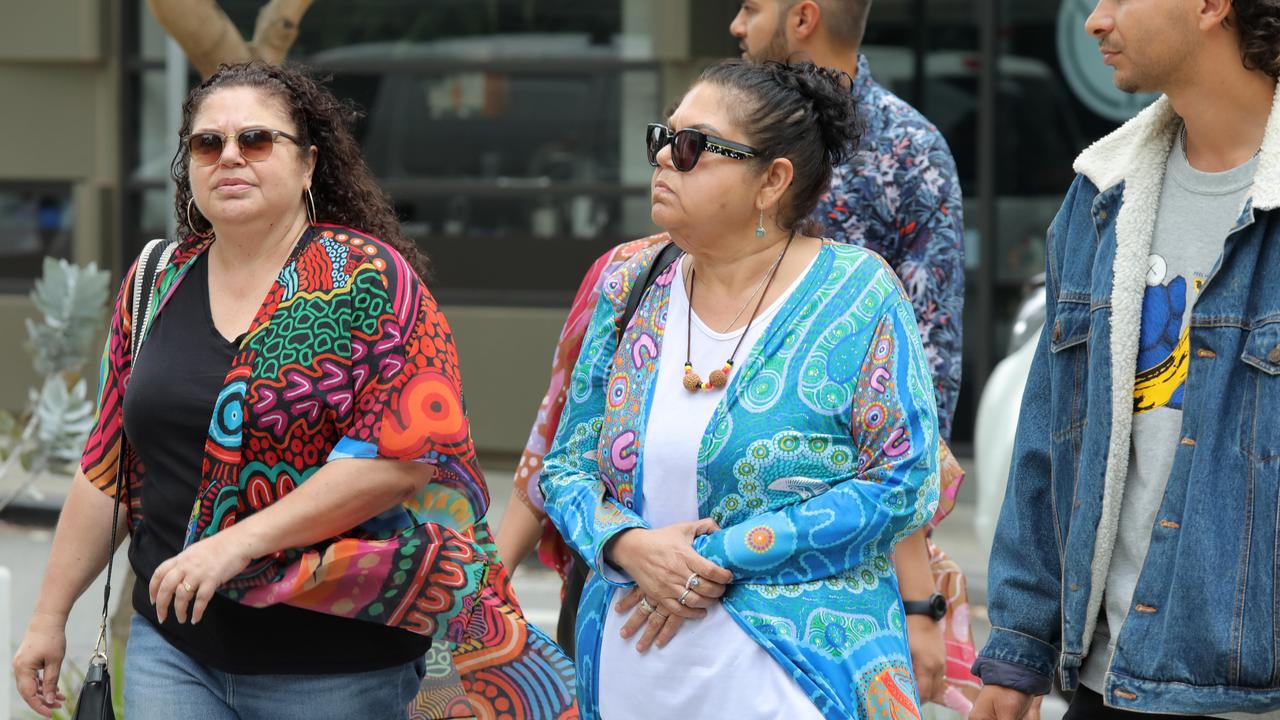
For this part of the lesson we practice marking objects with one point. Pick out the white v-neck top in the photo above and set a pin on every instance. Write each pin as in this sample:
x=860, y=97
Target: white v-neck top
x=712, y=668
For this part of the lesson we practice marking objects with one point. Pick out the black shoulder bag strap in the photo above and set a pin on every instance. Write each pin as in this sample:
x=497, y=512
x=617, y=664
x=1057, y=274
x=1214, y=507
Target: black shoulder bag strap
x=660, y=263
x=577, y=577
x=94, y=701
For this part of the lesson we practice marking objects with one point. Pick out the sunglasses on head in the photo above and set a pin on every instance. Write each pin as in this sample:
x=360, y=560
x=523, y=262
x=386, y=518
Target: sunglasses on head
x=255, y=144
x=687, y=146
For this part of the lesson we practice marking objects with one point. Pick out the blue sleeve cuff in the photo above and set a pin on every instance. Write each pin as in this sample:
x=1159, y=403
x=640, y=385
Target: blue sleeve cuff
x=1013, y=676
x=612, y=575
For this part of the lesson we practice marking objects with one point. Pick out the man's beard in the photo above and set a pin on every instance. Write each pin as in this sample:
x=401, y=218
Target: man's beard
x=775, y=50
x=1131, y=87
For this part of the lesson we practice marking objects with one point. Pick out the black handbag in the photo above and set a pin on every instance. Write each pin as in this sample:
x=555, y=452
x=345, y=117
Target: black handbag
x=576, y=579
x=94, y=700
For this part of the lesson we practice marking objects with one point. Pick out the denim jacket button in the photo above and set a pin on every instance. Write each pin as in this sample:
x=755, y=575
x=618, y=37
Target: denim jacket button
x=1102, y=216
x=1274, y=355
x=1057, y=333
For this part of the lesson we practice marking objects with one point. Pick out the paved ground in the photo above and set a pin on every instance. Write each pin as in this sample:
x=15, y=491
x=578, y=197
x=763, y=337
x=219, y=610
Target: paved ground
x=25, y=543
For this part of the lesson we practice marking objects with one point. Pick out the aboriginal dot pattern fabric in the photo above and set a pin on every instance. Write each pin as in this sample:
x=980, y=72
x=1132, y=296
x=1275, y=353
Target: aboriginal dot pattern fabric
x=822, y=454
x=350, y=357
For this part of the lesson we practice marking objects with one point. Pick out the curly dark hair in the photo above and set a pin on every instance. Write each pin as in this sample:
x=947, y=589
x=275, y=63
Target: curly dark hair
x=798, y=111
x=1258, y=22
x=343, y=186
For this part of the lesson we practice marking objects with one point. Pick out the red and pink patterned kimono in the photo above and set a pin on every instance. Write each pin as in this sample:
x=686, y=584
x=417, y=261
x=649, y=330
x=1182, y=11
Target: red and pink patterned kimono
x=349, y=357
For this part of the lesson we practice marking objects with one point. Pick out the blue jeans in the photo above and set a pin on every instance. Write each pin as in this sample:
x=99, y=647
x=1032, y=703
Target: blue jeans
x=161, y=682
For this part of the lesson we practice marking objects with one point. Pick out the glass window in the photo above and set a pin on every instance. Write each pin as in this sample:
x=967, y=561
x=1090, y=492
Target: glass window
x=1045, y=116
x=928, y=54
x=155, y=142
x=156, y=207
x=36, y=220
x=151, y=37
x=408, y=22
x=506, y=129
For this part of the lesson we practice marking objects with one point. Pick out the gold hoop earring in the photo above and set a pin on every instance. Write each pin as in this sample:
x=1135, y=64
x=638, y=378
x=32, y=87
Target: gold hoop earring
x=192, y=225
x=311, y=207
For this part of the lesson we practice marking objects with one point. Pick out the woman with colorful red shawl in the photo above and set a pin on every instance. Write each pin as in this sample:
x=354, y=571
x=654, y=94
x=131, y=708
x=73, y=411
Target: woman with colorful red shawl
x=304, y=501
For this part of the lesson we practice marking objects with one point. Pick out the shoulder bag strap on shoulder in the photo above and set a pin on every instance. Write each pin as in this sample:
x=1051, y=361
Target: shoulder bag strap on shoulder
x=151, y=262
x=154, y=257
x=660, y=263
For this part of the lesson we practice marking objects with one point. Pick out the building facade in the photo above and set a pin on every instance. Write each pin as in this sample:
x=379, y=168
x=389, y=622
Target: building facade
x=508, y=133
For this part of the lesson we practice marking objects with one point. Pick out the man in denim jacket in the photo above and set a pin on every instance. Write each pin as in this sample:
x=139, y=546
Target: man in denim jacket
x=1138, y=550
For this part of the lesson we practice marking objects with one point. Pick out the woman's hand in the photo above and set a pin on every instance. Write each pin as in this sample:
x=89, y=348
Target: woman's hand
x=928, y=656
x=38, y=662
x=190, y=578
x=659, y=630
x=666, y=568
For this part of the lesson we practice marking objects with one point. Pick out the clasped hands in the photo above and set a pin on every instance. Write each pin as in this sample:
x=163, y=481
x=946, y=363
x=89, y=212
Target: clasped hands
x=673, y=582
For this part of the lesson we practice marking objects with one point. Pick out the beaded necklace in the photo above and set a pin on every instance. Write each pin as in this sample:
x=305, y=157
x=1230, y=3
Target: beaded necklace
x=720, y=376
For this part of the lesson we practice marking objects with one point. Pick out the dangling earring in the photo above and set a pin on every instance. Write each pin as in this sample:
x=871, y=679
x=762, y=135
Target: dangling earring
x=311, y=207
x=192, y=225
x=760, y=228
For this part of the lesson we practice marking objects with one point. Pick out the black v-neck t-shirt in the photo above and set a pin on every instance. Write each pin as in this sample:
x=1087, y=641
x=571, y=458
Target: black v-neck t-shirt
x=167, y=409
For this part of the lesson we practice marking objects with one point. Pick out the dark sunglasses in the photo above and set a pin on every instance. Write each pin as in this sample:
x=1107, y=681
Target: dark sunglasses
x=687, y=146
x=255, y=144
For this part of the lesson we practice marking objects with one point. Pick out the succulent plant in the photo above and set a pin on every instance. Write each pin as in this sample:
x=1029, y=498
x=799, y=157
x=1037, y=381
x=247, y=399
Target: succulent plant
x=51, y=433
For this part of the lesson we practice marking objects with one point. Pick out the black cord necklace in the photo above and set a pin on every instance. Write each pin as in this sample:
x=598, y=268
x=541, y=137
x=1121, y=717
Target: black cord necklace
x=720, y=376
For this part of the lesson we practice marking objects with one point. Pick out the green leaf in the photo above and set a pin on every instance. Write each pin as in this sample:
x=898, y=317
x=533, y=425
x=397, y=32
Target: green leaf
x=64, y=419
x=72, y=301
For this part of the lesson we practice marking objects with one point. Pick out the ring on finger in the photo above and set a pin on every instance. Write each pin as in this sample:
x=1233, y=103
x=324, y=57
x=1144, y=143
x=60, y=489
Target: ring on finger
x=187, y=586
x=684, y=595
x=646, y=606
x=693, y=581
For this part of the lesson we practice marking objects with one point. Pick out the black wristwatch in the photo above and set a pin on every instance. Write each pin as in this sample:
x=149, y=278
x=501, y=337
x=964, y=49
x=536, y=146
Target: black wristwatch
x=935, y=607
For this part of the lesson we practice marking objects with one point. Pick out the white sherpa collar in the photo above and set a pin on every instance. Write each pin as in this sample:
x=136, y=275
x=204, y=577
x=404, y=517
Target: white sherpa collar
x=1137, y=155
x=1118, y=156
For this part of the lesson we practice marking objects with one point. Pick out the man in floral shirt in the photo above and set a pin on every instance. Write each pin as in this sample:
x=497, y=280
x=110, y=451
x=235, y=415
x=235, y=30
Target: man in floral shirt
x=900, y=195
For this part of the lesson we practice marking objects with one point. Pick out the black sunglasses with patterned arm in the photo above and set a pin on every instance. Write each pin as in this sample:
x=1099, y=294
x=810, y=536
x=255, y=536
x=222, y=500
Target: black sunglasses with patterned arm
x=687, y=146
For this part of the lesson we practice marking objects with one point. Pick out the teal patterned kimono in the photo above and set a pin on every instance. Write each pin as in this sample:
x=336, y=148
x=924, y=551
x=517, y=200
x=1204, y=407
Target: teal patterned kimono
x=822, y=455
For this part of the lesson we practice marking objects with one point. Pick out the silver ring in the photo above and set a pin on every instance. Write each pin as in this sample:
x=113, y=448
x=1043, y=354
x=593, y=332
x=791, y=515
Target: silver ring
x=693, y=581
x=646, y=606
x=684, y=595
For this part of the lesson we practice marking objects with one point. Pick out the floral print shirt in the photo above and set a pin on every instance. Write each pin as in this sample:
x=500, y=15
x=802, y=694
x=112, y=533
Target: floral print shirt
x=901, y=198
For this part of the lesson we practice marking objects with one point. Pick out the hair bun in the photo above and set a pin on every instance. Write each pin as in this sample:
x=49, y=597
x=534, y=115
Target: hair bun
x=830, y=96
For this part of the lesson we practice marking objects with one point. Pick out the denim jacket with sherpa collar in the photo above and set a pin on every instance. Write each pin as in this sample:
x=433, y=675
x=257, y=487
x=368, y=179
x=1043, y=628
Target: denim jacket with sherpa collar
x=1203, y=632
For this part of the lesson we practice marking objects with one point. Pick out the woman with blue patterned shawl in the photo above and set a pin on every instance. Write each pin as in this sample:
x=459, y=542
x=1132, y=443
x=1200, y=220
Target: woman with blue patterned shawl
x=740, y=530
